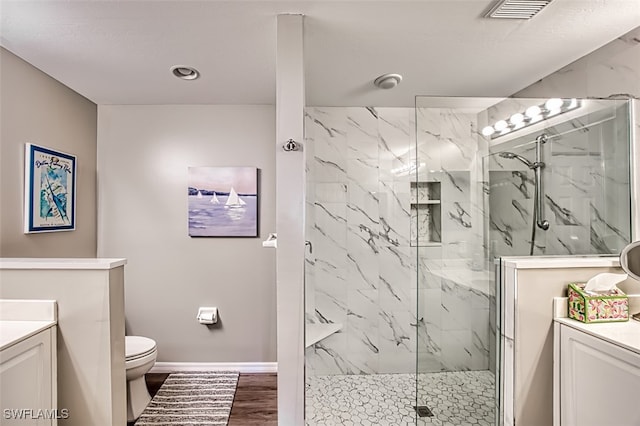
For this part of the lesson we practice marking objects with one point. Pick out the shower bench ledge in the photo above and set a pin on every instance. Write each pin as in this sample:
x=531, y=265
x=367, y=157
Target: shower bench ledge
x=316, y=332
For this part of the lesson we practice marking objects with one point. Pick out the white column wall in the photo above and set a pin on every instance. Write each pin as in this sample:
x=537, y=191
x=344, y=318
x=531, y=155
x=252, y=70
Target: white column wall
x=290, y=195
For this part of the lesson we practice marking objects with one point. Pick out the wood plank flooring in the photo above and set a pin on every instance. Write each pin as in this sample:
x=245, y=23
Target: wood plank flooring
x=255, y=403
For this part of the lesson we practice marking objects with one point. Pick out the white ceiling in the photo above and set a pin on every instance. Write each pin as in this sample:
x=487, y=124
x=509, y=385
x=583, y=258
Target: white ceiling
x=120, y=52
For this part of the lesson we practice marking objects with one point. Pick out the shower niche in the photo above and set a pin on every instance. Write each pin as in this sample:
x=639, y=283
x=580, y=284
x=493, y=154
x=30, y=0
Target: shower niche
x=426, y=223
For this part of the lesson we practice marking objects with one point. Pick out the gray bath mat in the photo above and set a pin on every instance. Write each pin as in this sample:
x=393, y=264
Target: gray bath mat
x=192, y=398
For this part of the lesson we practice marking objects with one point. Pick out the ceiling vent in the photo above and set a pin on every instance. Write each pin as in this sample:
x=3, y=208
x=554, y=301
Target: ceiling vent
x=517, y=9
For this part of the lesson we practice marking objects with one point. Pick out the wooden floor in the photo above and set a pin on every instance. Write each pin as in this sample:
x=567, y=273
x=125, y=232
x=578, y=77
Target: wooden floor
x=255, y=403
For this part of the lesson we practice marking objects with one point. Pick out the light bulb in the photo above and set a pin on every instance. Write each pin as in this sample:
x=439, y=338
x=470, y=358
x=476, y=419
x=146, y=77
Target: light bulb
x=553, y=103
x=533, y=111
x=516, y=119
x=488, y=131
x=501, y=125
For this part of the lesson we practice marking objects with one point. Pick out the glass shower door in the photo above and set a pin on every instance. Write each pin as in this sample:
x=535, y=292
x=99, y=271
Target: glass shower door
x=585, y=197
x=456, y=360
x=582, y=187
x=360, y=277
x=501, y=177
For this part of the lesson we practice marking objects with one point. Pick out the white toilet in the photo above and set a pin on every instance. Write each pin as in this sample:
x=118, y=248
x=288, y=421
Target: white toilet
x=140, y=355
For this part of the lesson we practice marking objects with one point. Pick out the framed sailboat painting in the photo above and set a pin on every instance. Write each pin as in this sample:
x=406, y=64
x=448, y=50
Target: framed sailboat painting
x=223, y=201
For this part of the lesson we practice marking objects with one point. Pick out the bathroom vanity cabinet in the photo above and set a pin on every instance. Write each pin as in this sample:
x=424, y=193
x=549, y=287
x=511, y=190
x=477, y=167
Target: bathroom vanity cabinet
x=89, y=295
x=596, y=373
x=528, y=286
x=27, y=378
x=28, y=384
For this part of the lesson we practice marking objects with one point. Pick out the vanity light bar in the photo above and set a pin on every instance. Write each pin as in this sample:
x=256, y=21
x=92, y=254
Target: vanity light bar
x=531, y=115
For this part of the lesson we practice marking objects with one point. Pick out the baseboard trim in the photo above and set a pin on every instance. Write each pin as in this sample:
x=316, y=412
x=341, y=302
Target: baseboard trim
x=242, y=367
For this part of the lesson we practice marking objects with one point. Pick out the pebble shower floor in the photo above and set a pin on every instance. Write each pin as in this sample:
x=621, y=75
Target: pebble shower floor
x=455, y=398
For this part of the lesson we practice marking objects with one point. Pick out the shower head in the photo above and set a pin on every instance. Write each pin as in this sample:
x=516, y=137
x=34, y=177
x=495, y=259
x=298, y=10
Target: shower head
x=511, y=156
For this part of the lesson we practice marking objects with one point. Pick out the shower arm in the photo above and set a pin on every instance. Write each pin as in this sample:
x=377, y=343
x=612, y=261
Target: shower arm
x=538, y=166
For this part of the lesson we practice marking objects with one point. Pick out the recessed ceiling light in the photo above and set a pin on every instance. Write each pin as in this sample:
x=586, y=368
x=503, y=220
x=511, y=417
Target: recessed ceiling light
x=184, y=72
x=388, y=81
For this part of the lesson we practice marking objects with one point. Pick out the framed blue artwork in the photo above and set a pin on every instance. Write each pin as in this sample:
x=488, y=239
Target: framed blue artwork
x=223, y=201
x=50, y=190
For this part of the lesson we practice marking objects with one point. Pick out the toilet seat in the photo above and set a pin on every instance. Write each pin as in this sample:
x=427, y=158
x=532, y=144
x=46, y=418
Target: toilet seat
x=136, y=347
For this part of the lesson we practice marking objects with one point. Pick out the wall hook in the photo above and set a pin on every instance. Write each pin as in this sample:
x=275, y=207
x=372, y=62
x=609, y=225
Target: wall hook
x=291, y=145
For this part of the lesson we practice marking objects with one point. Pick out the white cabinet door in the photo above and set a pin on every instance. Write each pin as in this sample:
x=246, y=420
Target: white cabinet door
x=599, y=382
x=26, y=382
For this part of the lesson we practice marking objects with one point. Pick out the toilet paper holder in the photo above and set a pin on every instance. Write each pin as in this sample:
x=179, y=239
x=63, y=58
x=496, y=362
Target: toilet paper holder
x=207, y=315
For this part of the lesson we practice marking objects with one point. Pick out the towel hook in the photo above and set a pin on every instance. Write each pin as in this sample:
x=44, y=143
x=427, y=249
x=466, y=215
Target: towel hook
x=291, y=145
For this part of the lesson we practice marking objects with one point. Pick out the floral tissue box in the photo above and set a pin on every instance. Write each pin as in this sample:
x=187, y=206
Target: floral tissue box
x=590, y=308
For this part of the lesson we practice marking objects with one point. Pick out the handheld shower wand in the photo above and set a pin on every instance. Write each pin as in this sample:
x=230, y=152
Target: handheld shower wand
x=512, y=156
x=538, y=202
x=537, y=167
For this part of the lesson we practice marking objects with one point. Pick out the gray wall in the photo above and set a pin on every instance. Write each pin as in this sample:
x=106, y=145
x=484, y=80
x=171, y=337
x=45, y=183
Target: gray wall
x=37, y=109
x=143, y=156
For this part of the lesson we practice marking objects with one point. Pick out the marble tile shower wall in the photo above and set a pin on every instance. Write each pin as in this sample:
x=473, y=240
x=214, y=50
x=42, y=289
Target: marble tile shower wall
x=586, y=185
x=396, y=301
x=611, y=72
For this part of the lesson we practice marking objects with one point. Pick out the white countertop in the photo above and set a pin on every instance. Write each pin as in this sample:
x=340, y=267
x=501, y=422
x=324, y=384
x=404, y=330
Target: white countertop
x=537, y=262
x=60, y=263
x=21, y=319
x=12, y=332
x=625, y=334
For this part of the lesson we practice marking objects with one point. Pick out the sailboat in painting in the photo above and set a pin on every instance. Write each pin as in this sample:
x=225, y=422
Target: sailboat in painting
x=234, y=200
x=223, y=201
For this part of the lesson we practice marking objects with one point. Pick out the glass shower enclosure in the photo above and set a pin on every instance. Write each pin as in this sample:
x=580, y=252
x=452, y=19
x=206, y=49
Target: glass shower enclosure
x=407, y=210
x=360, y=289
